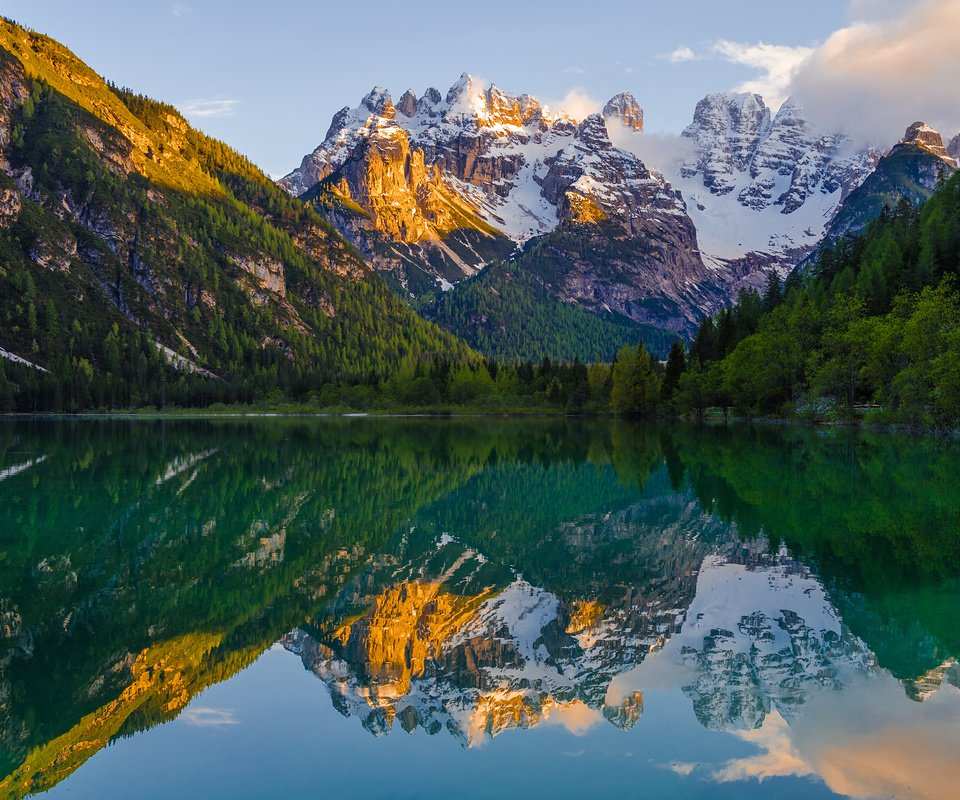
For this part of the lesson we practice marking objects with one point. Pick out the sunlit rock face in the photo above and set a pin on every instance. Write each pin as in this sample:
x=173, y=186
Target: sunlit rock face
x=444, y=184
x=930, y=140
x=761, y=188
x=625, y=108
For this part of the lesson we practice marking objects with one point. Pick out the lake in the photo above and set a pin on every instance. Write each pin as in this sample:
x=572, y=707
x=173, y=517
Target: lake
x=476, y=608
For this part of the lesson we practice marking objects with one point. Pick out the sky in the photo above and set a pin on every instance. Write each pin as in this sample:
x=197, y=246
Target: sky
x=267, y=78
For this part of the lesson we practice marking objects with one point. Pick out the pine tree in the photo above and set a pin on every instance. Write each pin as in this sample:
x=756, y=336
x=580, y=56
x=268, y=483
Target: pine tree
x=773, y=295
x=676, y=364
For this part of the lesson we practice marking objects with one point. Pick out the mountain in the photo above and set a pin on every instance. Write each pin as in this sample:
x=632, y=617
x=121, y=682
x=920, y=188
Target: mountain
x=144, y=261
x=595, y=229
x=606, y=233
x=910, y=171
x=953, y=149
x=761, y=189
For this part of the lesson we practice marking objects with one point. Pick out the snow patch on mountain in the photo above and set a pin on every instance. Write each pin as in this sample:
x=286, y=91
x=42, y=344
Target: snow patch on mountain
x=757, y=186
x=741, y=654
x=19, y=360
x=494, y=148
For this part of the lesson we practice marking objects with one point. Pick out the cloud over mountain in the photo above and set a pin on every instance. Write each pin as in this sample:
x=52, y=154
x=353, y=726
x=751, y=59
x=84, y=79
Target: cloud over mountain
x=895, y=63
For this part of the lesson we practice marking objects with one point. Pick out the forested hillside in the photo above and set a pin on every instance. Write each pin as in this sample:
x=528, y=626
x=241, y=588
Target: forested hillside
x=143, y=262
x=873, y=328
x=507, y=313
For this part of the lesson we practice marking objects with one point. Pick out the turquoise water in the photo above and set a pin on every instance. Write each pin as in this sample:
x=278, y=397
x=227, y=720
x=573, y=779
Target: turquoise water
x=476, y=608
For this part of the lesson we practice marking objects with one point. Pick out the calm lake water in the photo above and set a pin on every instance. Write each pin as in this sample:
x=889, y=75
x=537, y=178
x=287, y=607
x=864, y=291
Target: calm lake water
x=476, y=609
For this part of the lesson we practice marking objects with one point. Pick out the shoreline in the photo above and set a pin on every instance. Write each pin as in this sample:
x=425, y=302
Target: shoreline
x=710, y=421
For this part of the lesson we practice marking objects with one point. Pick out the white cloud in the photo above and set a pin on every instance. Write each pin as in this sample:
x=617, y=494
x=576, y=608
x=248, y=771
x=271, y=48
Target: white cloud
x=897, y=63
x=661, y=152
x=577, y=104
x=575, y=71
x=180, y=10
x=680, y=55
x=777, y=64
x=205, y=108
x=778, y=756
x=204, y=717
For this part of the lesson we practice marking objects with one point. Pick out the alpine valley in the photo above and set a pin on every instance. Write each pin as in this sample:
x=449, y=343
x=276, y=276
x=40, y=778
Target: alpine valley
x=436, y=189
x=145, y=263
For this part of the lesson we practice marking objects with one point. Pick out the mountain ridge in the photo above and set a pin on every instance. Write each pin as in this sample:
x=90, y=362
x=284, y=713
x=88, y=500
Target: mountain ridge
x=144, y=261
x=659, y=248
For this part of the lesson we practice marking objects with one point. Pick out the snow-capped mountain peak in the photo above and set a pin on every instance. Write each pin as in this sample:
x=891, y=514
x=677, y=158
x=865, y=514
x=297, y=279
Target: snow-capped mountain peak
x=484, y=166
x=762, y=188
x=624, y=107
x=492, y=147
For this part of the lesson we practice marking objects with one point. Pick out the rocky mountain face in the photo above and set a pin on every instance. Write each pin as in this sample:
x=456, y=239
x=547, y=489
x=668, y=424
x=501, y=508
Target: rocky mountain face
x=377, y=187
x=597, y=227
x=625, y=244
x=953, y=149
x=761, y=189
x=930, y=140
x=910, y=171
x=504, y=167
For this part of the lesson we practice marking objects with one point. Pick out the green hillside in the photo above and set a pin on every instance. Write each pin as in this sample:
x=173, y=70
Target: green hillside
x=508, y=313
x=143, y=262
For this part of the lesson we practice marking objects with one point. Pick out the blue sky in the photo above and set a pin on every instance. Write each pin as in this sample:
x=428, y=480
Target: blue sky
x=267, y=78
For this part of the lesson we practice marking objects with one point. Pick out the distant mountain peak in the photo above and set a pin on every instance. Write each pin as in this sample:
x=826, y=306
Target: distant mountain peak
x=407, y=105
x=761, y=188
x=378, y=101
x=467, y=94
x=954, y=147
x=624, y=106
x=929, y=139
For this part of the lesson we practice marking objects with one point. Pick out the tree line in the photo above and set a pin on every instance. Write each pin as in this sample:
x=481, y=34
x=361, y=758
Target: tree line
x=871, y=330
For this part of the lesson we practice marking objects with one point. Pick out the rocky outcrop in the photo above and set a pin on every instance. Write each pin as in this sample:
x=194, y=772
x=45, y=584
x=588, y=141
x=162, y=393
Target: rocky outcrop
x=10, y=205
x=953, y=149
x=625, y=108
x=408, y=104
x=926, y=138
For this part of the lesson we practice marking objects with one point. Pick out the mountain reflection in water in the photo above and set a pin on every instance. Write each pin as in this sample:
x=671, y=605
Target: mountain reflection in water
x=797, y=589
